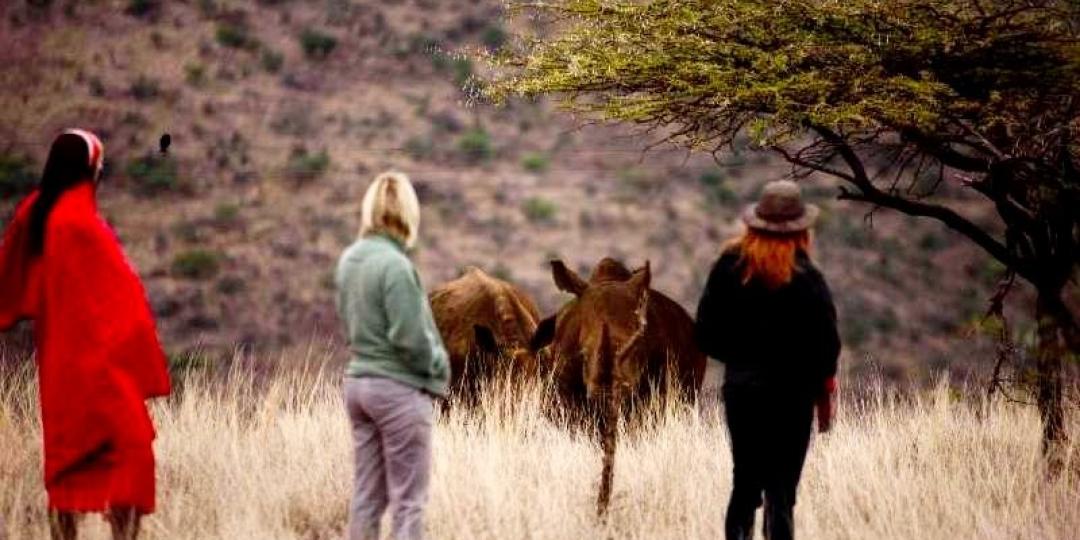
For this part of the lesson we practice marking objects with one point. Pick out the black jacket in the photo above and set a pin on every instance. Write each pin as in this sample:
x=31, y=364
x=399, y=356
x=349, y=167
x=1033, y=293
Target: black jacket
x=783, y=337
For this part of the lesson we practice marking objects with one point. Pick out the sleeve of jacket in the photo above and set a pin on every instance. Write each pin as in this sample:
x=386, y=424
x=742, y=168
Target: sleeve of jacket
x=823, y=324
x=411, y=325
x=713, y=317
x=18, y=300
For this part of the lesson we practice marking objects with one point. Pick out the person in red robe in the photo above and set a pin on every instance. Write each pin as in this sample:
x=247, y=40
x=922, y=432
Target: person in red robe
x=98, y=354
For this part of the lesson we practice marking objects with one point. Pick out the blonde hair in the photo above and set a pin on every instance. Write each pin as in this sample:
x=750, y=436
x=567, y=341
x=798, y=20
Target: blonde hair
x=391, y=207
x=769, y=257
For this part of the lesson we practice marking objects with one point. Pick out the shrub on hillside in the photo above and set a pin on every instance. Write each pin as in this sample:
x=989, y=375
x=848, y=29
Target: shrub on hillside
x=153, y=174
x=932, y=241
x=493, y=37
x=717, y=189
x=535, y=162
x=226, y=215
x=208, y=8
x=304, y=166
x=235, y=36
x=195, y=74
x=17, y=175
x=197, y=264
x=317, y=45
x=271, y=60
x=145, y=88
x=475, y=145
x=230, y=285
x=539, y=210
x=293, y=119
x=142, y=8
x=97, y=88
x=420, y=147
x=460, y=67
x=463, y=69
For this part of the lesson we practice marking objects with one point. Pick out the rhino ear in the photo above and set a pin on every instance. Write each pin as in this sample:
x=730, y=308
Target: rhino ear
x=566, y=279
x=641, y=280
x=485, y=339
x=544, y=335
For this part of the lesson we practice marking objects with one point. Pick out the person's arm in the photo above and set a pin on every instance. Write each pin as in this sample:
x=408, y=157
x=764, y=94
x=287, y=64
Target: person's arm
x=412, y=330
x=17, y=301
x=712, y=313
x=826, y=405
x=824, y=324
x=826, y=346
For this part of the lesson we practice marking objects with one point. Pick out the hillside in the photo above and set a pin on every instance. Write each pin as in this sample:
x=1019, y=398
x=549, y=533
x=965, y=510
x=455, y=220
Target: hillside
x=282, y=111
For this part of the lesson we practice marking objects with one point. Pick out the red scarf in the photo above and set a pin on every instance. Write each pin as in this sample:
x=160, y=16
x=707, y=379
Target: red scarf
x=98, y=353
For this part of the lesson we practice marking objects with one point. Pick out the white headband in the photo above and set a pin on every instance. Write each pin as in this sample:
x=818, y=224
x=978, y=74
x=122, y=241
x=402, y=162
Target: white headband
x=95, y=149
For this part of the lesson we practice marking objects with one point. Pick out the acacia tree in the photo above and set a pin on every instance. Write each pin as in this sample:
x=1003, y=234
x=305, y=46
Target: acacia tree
x=983, y=94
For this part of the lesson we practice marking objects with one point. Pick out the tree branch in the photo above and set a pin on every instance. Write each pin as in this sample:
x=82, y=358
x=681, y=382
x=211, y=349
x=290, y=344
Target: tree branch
x=869, y=193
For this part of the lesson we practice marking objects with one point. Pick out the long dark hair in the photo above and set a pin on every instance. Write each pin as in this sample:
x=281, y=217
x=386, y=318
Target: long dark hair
x=68, y=166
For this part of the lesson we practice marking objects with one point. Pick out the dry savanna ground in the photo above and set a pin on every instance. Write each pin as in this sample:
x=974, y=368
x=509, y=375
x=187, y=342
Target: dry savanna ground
x=254, y=451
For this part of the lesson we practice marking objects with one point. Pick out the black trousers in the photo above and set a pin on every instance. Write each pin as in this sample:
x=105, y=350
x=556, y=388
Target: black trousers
x=770, y=432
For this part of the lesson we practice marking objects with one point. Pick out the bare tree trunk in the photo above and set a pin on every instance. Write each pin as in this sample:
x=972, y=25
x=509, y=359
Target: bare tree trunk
x=1056, y=335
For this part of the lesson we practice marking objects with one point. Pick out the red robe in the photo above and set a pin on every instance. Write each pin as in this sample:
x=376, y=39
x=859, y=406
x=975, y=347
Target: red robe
x=98, y=354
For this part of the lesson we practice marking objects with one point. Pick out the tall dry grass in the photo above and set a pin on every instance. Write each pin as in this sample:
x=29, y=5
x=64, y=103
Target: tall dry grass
x=264, y=453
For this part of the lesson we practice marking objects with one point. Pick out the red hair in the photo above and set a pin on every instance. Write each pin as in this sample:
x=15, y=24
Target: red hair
x=769, y=257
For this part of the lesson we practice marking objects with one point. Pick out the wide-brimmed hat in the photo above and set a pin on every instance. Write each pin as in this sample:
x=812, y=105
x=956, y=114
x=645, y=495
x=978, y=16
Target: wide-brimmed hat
x=781, y=209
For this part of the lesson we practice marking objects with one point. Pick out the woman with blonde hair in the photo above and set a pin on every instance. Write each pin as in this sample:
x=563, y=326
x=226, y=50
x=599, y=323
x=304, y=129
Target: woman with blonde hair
x=397, y=363
x=768, y=315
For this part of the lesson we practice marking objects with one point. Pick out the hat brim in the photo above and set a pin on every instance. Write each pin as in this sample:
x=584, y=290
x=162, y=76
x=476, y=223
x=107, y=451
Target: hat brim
x=804, y=222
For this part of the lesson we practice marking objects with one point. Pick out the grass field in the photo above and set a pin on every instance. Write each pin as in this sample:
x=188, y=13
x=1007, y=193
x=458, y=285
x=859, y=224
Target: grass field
x=259, y=452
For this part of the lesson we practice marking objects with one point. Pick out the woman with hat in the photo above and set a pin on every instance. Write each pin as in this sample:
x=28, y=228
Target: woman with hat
x=98, y=354
x=767, y=314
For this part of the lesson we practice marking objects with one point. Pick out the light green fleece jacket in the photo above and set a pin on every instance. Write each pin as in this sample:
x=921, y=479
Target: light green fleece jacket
x=387, y=317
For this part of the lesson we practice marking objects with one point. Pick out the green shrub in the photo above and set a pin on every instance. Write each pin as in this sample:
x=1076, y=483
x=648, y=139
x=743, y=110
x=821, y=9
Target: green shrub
x=153, y=174
x=97, y=88
x=475, y=145
x=535, y=162
x=195, y=74
x=16, y=175
x=187, y=231
x=340, y=12
x=460, y=66
x=636, y=180
x=304, y=166
x=317, y=45
x=463, y=70
x=420, y=147
x=145, y=88
x=539, y=210
x=208, y=8
x=140, y=8
x=198, y=264
x=493, y=37
x=931, y=241
x=717, y=188
x=855, y=331
x=226, y=214
x=294, y=120
x=235, y=36
x=271, y=60
x=230, y=285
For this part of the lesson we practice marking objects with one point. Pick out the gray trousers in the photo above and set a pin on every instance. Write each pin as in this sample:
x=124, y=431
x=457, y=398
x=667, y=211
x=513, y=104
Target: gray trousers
x=391, y=426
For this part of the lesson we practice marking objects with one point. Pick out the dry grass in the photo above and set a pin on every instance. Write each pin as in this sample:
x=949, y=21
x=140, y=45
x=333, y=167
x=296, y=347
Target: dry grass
x=252, y=454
